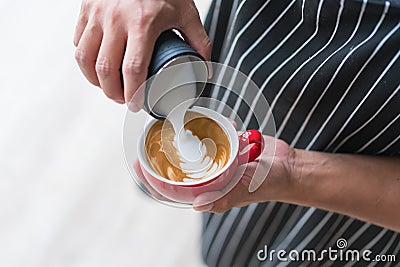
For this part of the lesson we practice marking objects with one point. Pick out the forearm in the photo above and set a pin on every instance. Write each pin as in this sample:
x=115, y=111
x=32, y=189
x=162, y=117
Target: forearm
x=364, y=187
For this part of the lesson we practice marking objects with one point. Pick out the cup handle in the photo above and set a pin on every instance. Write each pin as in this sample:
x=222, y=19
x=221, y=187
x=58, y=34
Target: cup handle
x=253, y=138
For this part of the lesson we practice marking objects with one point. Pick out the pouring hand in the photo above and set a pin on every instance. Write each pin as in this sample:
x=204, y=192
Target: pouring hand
x=111, y=34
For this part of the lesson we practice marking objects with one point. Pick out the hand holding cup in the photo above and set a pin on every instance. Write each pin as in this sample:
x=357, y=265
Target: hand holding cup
x=187, y=191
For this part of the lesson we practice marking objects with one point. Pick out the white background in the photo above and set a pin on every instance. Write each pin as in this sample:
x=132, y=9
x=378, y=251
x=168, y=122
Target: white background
x=66, y=197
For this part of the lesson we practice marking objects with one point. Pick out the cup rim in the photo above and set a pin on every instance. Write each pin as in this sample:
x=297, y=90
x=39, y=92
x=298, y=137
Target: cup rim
x=222, y=121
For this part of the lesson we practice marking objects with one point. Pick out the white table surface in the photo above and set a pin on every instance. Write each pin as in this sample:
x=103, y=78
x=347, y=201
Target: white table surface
x=66, y=197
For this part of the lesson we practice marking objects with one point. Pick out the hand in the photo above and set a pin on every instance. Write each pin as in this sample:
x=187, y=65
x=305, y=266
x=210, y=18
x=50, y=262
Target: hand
x=268, y=178
x=111, y=34
x=151, y=191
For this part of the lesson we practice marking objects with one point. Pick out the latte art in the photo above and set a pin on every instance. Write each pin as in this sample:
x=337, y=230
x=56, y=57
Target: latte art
x=198, y=151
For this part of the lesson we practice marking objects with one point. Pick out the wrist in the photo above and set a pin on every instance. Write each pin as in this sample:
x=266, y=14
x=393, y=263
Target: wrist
x=302, y=167
x=289, y=186
x=310, y=181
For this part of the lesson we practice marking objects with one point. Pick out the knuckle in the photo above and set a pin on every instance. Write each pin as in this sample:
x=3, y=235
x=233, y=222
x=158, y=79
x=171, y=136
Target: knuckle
x=115, y=15
x=93, y=29
x=146, y=18
x=104, y=67
x=96, y=10
x=222, y=206
x=134, y=67
x=81, y=56
x=147, y=15
x=83, y=18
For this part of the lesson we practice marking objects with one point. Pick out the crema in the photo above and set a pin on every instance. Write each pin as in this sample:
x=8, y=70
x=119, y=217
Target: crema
x=197, y=151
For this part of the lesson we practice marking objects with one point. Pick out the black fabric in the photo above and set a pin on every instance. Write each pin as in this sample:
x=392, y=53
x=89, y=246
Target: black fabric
x=338, y=93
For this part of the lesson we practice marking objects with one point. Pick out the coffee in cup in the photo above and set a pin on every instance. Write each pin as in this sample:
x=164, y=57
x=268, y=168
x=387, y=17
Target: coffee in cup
x=203, y=150
x=243, y=148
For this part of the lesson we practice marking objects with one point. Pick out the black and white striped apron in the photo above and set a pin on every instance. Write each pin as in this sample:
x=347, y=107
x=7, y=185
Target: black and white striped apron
x=330, y=70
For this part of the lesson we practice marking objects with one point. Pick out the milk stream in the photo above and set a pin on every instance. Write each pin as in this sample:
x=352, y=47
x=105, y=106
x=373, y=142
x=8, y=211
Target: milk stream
x=194, y=154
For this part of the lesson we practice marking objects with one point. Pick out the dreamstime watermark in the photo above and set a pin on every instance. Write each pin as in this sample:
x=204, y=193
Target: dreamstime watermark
x=342, y=253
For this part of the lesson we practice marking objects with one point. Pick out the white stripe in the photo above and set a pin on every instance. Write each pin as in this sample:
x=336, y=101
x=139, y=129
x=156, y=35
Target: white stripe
x=311, y=210
x=368, y=121
x=358, y=106
x=289, y=114
x=372, y=243
x=206, y=219
x=275, y=223
x=366, y=225
x=288, y=225
x=265, y=121
x=243, y=57
x=389, y=145
x=233, y=45
x=337, y=236
x=237, y=235
x=231, y=26
x=294, y=141
x=273, y=227
x=359, y=73
x=215, y=16
x=385, y=249
x=378, y=135
x=218, y=242
x=211, y=230
x=295, y=231
x=369, y=245
x=328, y=233
x=395, y=252
x=314, y=232
x=213, y=105
x=276, y=48
x=259, y=93
x=357, y=234
x=355, y=237
x=347, y=90
x=289, y=238
x=342, y=229
x=249, y=241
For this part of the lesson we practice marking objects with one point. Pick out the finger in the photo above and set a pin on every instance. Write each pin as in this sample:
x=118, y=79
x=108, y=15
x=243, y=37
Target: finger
x=228, y=197
x=109, y=63
x=237, y=197
x=142, y=178
x=137, y=100
x=87, y=51
x=134, y=68
x=195, y=34
x=233, y=123
x=79, y=29
x=205, y=201
x=81, y=25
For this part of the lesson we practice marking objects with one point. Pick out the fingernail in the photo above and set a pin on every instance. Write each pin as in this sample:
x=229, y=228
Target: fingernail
x=210, y=70
x=119, y=101
x=205, y=207
x=133, y=107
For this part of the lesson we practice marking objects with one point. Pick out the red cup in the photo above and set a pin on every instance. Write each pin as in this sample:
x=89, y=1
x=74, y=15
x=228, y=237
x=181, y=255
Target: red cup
x=186, y=192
